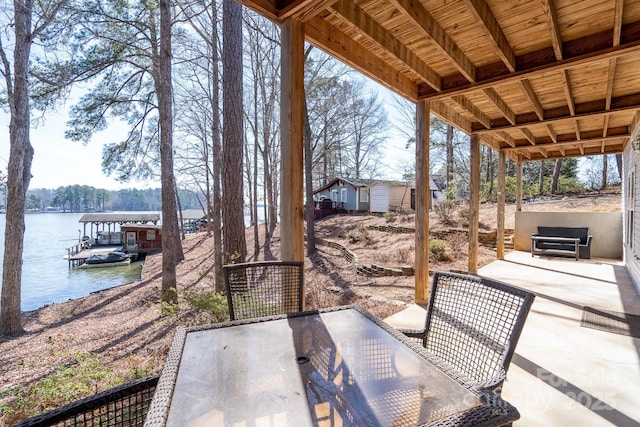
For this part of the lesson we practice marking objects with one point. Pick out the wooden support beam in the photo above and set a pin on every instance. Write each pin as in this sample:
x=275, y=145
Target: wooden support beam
x=357, y=17
x=554, y=29
x=303, y=10
x=291, y=133
x=447, y=113
x=339, y=45
x=471, y=108
x=422, y=204
x=502, y=188
x=491, y=28
x=610, y=80
x=527, y=134
x=542, y=151
x=552, y=133
x=525, y=146
x=519, y=185
x=605, y=126
x=507, y=138
x=532, y=97
x=415, y=12
x=568, y=93
x=617, y=22
x=537, y=69
x=500, y=104
x=474, y=204
x=578, y=133
x=592, y=111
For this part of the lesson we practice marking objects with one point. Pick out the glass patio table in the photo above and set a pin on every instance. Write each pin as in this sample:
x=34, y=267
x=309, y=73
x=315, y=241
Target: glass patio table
x=334, y=367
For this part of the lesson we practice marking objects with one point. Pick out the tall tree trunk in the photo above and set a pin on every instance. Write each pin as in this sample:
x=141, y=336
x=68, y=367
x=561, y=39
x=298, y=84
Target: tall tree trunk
x=216, y=148
x=450, y=160
x=254, y=211
x=489, y=174
x=19, y=170
x=235, y=246
x=308, y=172
x=556, y=176
x=619, y=165
x=605, y=171
x=541, y=177
x=164, y=89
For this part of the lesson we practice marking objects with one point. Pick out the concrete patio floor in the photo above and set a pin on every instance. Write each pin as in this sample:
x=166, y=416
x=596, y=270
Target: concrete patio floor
x=564, y=374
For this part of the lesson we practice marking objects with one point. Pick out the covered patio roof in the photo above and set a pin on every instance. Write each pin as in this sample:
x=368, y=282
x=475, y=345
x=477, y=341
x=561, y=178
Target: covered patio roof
x=533, y=79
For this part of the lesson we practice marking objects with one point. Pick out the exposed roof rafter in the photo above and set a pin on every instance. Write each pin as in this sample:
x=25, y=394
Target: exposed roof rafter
x=378, y=34
x=492, y=29
x=500, y=104
x=532, y=97
x=554, y=29
x=415, y=12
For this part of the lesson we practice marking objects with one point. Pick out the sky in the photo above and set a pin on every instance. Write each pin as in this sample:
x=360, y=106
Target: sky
x=58, y=162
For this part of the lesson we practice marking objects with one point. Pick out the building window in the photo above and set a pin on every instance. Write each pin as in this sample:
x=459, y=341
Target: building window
x=343, y=195
x=364, y=195
x=334, y=195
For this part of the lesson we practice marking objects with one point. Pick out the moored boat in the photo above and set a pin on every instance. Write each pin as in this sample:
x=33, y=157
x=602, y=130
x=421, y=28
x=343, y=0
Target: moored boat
x=110, y=259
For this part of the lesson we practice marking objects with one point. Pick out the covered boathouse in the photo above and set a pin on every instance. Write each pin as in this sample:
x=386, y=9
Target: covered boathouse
x=106, y=225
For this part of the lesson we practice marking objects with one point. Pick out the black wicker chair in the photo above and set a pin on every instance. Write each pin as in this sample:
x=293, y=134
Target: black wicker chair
x=257, y=289
x=125, y=405
x=474, y=324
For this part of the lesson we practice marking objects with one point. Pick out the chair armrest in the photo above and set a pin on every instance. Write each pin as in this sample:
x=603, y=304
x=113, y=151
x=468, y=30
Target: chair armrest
x=416, y=334
x=589, y=240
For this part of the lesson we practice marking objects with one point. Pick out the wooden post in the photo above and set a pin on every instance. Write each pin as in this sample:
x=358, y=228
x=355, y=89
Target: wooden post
x=422, y=208
x=502, y=172
x=474, y=203
x=291, y=133
x=519, y=186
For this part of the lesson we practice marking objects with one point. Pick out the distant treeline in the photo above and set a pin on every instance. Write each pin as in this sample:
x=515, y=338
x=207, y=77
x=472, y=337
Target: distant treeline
x=83, y=198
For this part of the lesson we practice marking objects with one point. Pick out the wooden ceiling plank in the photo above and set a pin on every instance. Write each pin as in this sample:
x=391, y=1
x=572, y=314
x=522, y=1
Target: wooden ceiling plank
x=415, y=12
x=374, y=31
x=492, y=29
x=562, y=151
x=533, y=98
x=610, y=80
x=304, y=10
x=527, y=134
x=554, y=29
x=471, y=108
x=617, y=22
x=500, y=104
x=568, y=93
x=337, y=44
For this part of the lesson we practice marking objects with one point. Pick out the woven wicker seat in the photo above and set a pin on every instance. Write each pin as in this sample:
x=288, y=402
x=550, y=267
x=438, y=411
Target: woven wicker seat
x=125, y=405
x=258, y=289
x=474, y=324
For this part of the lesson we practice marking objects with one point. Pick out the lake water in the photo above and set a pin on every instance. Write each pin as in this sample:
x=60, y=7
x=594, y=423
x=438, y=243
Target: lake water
x=46, y=276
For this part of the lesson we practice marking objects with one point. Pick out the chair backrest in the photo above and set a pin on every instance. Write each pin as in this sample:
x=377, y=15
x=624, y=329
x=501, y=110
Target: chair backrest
x=257, y=289
x=474, y=324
